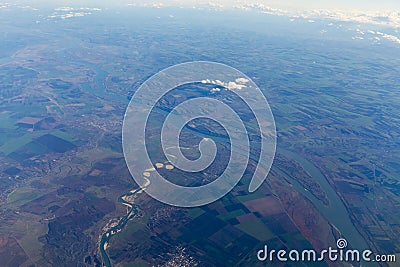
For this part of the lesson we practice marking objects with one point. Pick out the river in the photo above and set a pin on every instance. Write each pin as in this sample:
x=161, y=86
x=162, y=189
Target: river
x=105, y=237
x=336, y=212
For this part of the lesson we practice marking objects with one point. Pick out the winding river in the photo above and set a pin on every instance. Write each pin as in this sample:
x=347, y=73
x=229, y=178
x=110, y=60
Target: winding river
x=132, y=212
x=336, y=212
x=105, y=237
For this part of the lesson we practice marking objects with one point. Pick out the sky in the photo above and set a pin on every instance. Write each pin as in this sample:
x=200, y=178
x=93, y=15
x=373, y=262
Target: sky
x=371, y=5
x=340, y=4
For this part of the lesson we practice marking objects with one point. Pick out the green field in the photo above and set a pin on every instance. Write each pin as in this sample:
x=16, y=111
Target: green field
x=21, y=196
x=256, y=229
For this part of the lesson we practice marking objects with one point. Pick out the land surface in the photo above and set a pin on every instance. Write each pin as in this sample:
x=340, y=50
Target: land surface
x=64, y=87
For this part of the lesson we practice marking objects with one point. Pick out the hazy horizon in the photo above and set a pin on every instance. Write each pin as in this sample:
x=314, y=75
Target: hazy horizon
x=371, y=5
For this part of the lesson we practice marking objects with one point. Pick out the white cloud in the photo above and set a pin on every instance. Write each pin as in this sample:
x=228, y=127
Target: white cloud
x=386, y=36
x=64, y=9
x=391, y=38
x=235, y=86
x=71, y=12
x=360, y=32
x=242, y=80
x=389, y=18
x=239, y=83
x=156, y=5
